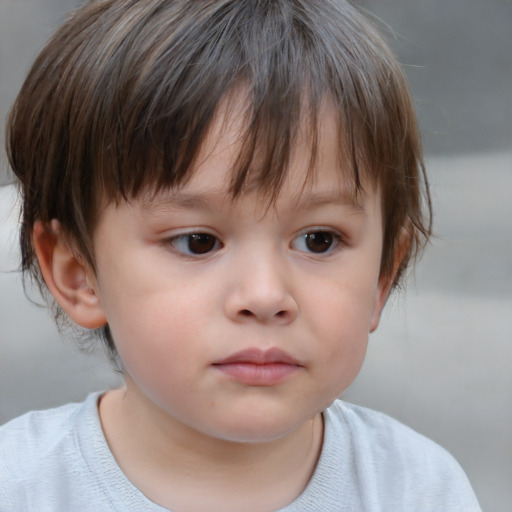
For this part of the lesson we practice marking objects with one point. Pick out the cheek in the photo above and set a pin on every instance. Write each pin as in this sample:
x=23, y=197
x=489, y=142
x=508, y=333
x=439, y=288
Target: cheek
x=343, y=306
x=156, y=324
x=340, y=318
x=156, y=321
x=343, y=334
x=157, y=352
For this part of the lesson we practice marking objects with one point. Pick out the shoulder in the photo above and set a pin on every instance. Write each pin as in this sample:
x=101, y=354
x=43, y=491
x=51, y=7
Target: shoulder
x=40, y=451
x=395, y=462
x=382, y=436
x=370, y=426
x=36, y=434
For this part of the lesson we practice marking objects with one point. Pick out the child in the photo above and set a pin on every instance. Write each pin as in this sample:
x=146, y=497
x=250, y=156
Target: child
x=226, y=191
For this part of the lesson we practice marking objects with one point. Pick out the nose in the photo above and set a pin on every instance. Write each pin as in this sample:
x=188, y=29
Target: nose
x=261, y=291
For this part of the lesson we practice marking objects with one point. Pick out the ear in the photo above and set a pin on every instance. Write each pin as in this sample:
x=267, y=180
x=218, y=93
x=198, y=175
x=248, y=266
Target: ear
x=71, y=282
x=379, y=301
x=386, y=281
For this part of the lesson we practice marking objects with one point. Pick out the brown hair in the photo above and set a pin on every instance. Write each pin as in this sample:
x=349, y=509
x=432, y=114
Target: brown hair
x=121, y=98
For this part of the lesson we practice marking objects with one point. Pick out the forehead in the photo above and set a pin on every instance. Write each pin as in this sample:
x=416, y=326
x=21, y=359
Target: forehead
x=316, y=171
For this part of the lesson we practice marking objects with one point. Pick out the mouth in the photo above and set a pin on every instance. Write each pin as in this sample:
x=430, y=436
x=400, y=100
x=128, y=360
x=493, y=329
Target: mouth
x=255, y=367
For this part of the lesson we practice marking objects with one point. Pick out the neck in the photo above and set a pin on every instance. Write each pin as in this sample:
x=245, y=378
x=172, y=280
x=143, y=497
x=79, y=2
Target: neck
x=183, y=469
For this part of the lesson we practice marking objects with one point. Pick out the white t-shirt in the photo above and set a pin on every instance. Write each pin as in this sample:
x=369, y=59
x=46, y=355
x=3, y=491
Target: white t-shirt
x=58, y=460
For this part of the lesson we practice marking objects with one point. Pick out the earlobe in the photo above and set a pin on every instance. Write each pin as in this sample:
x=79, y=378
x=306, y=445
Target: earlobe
x=379, y=301
x=388, y=281
x=70, y=282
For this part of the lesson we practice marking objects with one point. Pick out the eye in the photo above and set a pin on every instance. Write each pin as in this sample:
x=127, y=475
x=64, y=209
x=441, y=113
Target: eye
x=195, y=243
x=317, y=242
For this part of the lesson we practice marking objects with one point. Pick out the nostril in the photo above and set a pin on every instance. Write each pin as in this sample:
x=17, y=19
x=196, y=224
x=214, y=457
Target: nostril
x=264, y=315
x=248, y=312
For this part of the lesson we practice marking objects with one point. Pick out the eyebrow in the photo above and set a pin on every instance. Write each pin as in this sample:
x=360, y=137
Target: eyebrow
x=336, y=197
x=208, y=200
x=178, y=200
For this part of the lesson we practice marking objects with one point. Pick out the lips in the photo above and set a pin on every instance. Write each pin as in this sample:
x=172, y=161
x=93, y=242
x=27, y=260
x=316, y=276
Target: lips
x=255, y=367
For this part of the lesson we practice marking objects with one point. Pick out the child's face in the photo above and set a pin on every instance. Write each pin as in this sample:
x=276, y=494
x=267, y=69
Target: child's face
x=198, y=290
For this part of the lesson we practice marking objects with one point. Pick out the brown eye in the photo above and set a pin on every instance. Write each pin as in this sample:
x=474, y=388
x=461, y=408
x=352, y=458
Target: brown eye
x=195, y=243
x=201, y=243
x=319, y=241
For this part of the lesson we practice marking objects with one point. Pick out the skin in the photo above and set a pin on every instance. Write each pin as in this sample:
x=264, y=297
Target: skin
x=187, y=434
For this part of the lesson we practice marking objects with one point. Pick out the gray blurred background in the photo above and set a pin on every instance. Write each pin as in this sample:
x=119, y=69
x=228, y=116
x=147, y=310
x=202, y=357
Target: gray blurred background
x=442, y=359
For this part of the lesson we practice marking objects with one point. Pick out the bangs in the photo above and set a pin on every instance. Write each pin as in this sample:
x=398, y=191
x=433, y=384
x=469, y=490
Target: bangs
x=192, y=67
x=137, y=85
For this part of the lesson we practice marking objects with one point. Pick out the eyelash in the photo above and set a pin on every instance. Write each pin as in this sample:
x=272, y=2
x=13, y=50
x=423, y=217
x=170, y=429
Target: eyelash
x=212, y=244
x=201, y=237
x=335, y=243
